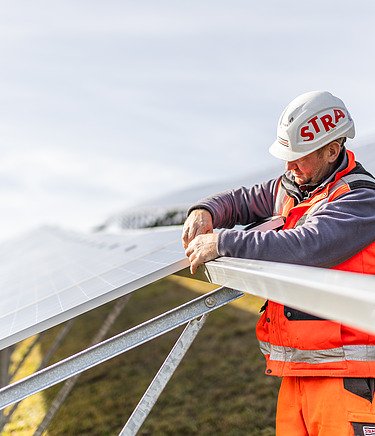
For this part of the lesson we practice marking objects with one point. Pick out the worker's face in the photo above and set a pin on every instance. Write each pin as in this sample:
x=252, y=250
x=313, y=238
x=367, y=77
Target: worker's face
x=311, y=169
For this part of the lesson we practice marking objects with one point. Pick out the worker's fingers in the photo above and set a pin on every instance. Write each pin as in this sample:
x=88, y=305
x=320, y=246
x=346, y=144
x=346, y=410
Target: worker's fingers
x=185, y=238
x=194, y=229
x=196, y=259
x=199, y=222
x=202, y=249
x=193, y=267
x=185, y=244
x=193, y=253
x=195, y=262
x=189, y=232
x=194, y=247
x=192, y=232
x=189, y=250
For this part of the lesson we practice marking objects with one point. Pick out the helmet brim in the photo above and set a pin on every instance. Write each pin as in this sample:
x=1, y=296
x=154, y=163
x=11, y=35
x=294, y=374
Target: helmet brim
x=284, y=153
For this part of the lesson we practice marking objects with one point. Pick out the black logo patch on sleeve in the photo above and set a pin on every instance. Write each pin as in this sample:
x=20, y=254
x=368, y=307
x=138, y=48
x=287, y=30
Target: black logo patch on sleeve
x=363, y=429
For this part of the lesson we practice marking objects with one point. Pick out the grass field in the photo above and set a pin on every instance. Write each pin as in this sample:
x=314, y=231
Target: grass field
x=220, y=387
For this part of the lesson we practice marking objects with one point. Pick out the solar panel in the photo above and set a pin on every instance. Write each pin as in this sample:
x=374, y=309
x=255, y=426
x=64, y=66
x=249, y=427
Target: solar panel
x=51, y=275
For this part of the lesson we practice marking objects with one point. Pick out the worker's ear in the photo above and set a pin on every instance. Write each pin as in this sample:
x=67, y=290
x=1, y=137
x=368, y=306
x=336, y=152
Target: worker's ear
x=333, y=150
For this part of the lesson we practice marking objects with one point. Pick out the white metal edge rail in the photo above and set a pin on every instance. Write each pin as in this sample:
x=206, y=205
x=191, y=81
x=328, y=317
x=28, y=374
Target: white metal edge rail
x=116, y=345
x=342, y=296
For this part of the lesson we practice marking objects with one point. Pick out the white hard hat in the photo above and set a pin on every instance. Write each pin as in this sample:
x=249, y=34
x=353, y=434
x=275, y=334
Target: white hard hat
x=309, y=122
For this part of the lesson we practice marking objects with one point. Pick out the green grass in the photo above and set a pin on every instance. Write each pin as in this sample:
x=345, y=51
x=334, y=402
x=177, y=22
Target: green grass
x=219, y=388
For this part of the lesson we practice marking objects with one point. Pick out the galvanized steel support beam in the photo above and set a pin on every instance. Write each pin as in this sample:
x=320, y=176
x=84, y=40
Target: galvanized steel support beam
x=5, y=361
x=163, y=376
x=4, y=369
x=63, y=393
x=50, y=352
x=117, y=345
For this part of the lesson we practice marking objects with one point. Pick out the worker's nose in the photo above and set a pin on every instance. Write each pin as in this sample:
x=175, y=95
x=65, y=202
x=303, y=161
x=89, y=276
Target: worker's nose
x=289, y=166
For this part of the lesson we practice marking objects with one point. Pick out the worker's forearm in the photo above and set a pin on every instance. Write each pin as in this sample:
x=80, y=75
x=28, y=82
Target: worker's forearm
x=333, y=234
x=240, y=206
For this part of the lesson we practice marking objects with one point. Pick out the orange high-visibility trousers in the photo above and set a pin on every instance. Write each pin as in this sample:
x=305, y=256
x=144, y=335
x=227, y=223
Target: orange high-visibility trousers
x=325, y=406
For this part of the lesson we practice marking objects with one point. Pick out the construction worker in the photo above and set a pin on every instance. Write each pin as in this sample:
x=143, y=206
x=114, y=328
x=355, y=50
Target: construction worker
x=327, y=200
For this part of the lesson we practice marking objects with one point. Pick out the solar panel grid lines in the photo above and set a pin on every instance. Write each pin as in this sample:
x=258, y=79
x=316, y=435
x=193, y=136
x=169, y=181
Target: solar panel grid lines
x=82, y=269
x=51, y=275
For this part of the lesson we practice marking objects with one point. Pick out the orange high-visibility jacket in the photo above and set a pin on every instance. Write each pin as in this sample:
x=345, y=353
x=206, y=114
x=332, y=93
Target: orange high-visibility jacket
x=298, y=344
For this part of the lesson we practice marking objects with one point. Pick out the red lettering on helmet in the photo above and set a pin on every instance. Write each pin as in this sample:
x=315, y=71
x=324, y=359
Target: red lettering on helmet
x=327, y=122
x=338, y=114
x=305, y=133
x=314, y=124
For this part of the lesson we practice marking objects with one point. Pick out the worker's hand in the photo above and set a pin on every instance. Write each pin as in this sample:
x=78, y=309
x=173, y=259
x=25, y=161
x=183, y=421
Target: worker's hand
x=199, y=222
x=202, y=249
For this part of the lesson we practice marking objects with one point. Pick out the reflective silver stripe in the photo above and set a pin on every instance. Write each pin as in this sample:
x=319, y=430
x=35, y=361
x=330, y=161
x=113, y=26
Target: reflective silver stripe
x=358, y=177
x=363, y=353
x=265, y=347
x=281, y=196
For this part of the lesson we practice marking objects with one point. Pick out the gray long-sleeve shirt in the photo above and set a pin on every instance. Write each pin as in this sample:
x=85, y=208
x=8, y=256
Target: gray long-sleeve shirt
x=333, y=233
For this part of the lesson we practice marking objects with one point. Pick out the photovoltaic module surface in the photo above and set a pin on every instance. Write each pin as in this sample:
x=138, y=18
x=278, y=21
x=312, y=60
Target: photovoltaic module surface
x=51, y=275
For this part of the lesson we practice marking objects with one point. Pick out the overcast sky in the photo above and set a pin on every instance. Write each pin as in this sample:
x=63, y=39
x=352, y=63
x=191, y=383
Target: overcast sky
x=107, y=103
